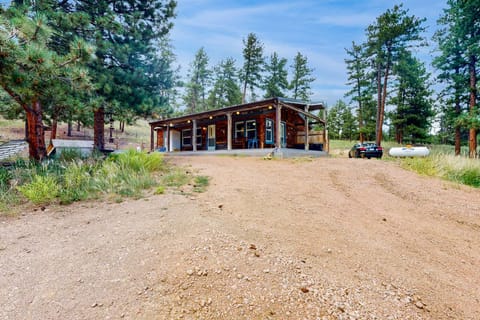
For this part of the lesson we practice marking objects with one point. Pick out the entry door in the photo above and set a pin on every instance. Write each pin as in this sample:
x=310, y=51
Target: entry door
x=211, y=137
x=283, y=134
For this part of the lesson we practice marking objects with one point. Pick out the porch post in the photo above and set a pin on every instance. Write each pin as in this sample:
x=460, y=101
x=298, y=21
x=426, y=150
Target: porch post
x=278, y=126
x=194, y=135
x=152, y=137
x=307, y=144
x=168, y=138
x=229, y=131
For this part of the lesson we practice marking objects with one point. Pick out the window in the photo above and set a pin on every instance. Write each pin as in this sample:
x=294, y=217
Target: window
x=269, y=131
x=239, y=129
x=251, y=129
x=186, y=137
x=199, y=136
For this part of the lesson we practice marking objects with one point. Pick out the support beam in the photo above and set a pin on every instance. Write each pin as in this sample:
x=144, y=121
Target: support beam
x=152, y=138
x=168, y=138
x=194, y=134
x=307, y=144
x=229, y=131
x=278, y=126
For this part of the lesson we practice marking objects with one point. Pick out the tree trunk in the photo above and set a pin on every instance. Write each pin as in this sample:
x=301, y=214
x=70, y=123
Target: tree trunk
x=472, y=138
x=36, y=132
x=53, y=134
x=458, y=133
x=79, y=126
x=360, y=113
x=69, y=128
x=99, y=129
x=378, y=127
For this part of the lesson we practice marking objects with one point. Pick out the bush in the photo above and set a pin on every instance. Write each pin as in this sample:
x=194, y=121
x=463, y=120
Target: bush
x=76, y=184
x=42, y=190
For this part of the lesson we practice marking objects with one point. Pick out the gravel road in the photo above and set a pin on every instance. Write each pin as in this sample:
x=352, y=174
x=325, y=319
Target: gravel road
x=327, y=238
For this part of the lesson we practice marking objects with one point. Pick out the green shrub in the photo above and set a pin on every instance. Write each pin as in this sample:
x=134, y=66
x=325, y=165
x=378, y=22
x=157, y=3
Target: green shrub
x=137, y=161
x=5, y=177
x=76, y=184
x=42, y=190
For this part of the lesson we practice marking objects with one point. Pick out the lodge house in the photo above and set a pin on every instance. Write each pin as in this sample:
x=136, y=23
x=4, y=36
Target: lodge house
x=271, y=123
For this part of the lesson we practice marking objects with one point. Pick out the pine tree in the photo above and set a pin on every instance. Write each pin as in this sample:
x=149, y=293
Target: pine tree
x=301, y=78
x=225, y=91
x=360, y=79
x=392, y=32
x=125, y=34
x=413, y=102
x=275, y=80
x=199, y=78
x=253, y=63
x=35, y=76
x=459, y=42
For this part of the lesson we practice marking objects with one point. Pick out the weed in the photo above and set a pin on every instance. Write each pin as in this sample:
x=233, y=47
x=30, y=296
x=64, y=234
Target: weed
x=42, y=190
x=201, y=182
x=160, y=190
x=176, y=178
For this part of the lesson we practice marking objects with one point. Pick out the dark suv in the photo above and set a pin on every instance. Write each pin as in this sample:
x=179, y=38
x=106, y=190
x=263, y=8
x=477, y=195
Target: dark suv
x=365, y=150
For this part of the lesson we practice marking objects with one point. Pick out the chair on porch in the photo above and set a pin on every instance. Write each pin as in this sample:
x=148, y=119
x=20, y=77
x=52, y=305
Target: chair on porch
x=252, y=143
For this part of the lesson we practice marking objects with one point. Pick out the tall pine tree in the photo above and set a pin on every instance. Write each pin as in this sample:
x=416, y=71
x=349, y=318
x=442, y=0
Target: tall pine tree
x=225, y=91
x=253, y=64
x=391, y=33
x=199, y=78
x=302, y=78
x=276, y=74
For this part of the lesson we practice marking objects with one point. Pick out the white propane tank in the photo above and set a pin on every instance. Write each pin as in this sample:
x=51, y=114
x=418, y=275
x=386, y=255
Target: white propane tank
x=409, y=152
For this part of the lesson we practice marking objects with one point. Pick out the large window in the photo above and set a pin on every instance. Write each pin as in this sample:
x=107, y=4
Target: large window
x=269, y=131
x=187, y=137
x=239, y=129
x=250, y=129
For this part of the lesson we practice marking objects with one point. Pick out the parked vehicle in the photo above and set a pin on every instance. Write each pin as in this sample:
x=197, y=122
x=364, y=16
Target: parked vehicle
x=366, y=150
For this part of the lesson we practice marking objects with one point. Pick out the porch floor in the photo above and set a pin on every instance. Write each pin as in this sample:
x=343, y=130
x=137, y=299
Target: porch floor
x=281, y=153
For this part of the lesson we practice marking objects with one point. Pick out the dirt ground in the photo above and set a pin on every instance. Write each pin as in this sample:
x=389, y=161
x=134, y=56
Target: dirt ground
x=328, y=238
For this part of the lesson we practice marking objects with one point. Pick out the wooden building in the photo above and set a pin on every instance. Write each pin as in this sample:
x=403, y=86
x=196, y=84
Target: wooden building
x=276, y=122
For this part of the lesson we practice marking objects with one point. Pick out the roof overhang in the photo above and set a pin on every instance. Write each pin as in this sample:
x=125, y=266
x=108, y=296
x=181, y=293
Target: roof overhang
x=296, y=105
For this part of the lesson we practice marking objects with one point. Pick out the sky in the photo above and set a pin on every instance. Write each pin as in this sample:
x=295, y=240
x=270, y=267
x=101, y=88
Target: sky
x=318, y=29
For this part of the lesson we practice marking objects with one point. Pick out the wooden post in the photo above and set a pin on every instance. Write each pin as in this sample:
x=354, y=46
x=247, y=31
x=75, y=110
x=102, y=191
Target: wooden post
x=194, y=134
x=168, y=138
x=278, y=127
x=307, y=144
x=152, y=138
x=229, y=131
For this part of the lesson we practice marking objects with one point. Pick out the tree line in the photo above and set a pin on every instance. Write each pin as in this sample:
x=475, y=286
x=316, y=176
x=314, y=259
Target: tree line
x=78, y=60
x=225, y=84
x=384, y=72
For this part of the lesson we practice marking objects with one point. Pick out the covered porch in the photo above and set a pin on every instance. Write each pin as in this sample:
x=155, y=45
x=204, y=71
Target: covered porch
x=273, y=123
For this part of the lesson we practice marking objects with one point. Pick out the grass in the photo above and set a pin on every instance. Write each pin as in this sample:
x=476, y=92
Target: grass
x=440, y=163
x=73, y=178
x=201, y=183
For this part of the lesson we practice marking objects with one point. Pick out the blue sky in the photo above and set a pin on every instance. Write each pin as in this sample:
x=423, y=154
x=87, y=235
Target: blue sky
x=319, y=29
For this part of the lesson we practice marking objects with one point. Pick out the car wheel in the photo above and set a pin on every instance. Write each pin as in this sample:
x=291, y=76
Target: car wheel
x=362, y=155
x=368, y=157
